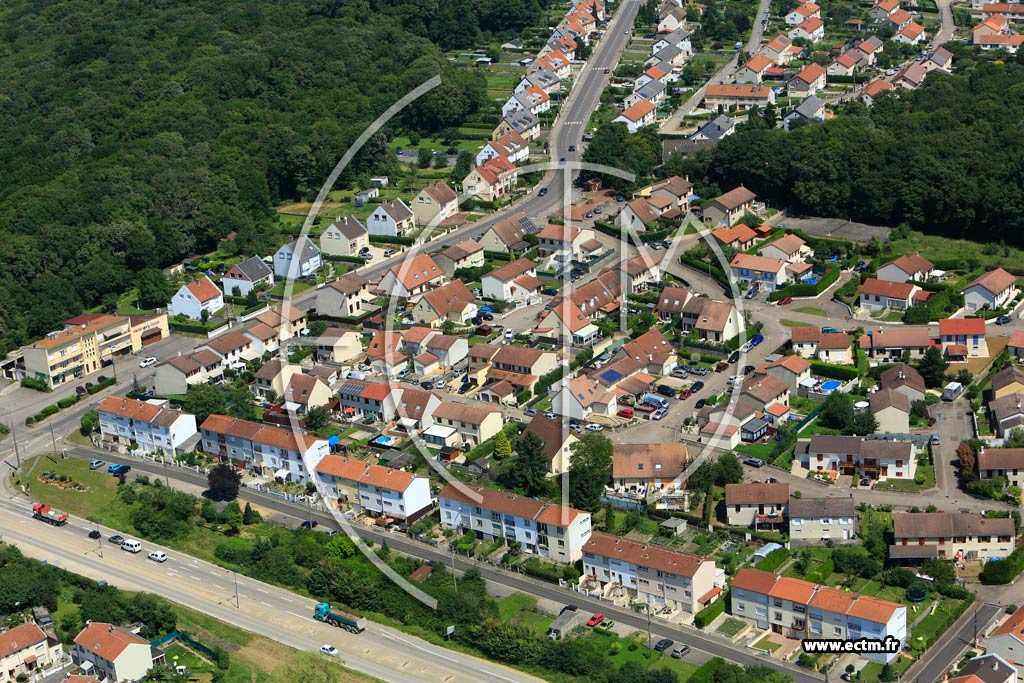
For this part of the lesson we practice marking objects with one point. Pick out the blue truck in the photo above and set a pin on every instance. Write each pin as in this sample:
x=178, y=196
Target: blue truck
x=350, y=622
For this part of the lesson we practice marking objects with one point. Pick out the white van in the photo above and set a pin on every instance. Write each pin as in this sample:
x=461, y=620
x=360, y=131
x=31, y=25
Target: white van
x=158, y=556
x=132, y=546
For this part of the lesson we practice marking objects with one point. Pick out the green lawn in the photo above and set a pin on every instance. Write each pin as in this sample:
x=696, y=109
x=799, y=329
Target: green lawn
x=935, y=247
x=730, y=627
x=794, y=323
x=811, y=310
x=102, y=486
x=512, y=605
x=297, y=288
x=763, y=451
x=908, y=484
x=766, y=644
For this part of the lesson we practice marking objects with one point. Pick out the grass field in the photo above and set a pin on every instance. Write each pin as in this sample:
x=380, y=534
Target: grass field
x=908, y=484
x=935, y=247
x=811, y=310
x=794, y=323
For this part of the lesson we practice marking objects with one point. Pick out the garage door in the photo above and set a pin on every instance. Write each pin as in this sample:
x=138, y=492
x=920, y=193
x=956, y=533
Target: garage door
x=152, y=337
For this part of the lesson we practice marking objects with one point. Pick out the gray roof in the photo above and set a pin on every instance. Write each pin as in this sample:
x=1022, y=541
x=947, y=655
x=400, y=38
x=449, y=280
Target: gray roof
x=397, y=210
x=912, y=525
x=990, y=668
x=809, y=107
x=522, y=120
x=254, y=268
x=817, y=508
x=349, y=226
x=675, y=37
x=303, y=248
x=667, y=54
x=650, y=90
x=716, y=128
x=913, y=551
x=541, y=76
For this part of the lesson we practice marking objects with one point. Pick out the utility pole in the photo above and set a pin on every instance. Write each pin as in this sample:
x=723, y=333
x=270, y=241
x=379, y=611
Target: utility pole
x=14, y=436
x=455, y=581
x=648, y=626
x=53, y=438
x=235, y=572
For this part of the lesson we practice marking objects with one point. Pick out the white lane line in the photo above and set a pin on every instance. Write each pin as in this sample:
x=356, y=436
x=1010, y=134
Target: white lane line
x=266, y=603
x=300, y=616
x=287, y=599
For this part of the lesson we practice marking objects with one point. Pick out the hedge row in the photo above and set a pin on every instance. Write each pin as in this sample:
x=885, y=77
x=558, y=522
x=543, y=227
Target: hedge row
x=346, y=259
x=802, y=290
x=392, y=239
x=497, y=255
x=775, y=559
x=66, y=402
x=715, y=271
x=34, y=383
x=1001, y=572
x=189, y=327
x=840, y=372
x=707, y=615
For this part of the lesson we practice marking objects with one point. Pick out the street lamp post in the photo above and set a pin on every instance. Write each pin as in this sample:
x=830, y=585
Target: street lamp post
x=235, y=572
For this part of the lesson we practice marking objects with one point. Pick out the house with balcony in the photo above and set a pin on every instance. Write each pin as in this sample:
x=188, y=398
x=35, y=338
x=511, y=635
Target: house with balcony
x=374, y=490
x=260, y=447
x=176, y=375
x=337, y=345
x=545, y=529
x=756, y=504
x=649, y=467
x=852, y=455
x=151, y=427
x=768, y=273
x=85, y=345
x=563, y=244
x=474, y=424
x=412, y=277
x=818, y=521
x=515, y=282
x=25, y=650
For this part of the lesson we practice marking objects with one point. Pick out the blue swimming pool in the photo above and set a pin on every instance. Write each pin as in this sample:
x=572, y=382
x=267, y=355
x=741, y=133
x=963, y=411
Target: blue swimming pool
x=809, y=280
x=831, y=385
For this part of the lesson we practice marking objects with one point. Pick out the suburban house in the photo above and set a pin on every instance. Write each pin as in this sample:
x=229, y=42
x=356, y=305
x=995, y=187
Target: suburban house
x=359, y=399
x=811, y=109
x=649, y=467
x=843, y=65
x=752, y=504
x=26, y=650
x=893, y=343
x=556, y=439
x=812, y=29
x=305, y=392
x=465, y=254
x=512, y=146
x=879, y=295
x=179, y=373
x=412, y=277
x=738, y=96
x=514, y=282
x=343, y=297
x=790, y=369
x=639, y=215
x=781, y=50
x=1006, y=641
x=375, y=490
x=563, y=244
x=808, y=81
x=873, y=89
x=988, y=668
x=728, y=208
x=492, y=179
x=298, y=258
x=653, y=92
x=245, y=276
x=768, y=273
x=1016, y=345
x=883, y=8
x=234, y=348
x=1007, y=463
x=995, y=289
x=891, y=410
x=651, y=74
x=435, y=204
x=346, y=236
x=904, y=379
x=800, y=609
x=566, y=322
x=641, y=114
x=910, y=267
x=391, y=218
x=911, y=34
x=194, y=297
x=671, y=302
x=803, y=12
x=288, y=321
x=151, y=427
x=263, y=336
x=531, y=99
x=963, y=338
x=273, y=377
x=474, y=424
x=440, y=353
x=521, y=366
x=766, y=390
x=1009, y=380
x=817, y=521
x=579, y=398
x=507, y=234
x=451, y=302
x=753, y=70
x=950, y=536
x=337, y=345
x=675, y=189
x=853, y=455
x=649, y=574
x=714, y=130
x=522, y=122
x=258, y=447
x=740, y=237
x=715, y=321
x=1006, y=414
x=789, y=248
x=111, y=653
x=541, y=528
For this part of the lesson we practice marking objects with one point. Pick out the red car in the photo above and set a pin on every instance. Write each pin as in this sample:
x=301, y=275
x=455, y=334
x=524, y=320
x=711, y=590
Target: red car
x=684, y=393
x=625, y=412
x=785, y=302
x=721, y=367
x=595, y=620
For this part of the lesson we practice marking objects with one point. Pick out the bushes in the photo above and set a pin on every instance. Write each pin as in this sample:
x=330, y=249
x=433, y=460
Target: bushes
x=390, y=239
x=711, y=612
x=67, y=402
x=548, y=572
x=100, y=386
x=187, y=326
x=798, y=290
x=1000, y=572
x=34, y=383
x=840, y=372
x=775, y=559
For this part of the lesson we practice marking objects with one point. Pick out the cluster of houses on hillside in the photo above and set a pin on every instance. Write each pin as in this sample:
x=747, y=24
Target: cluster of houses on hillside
x=995, y=31
x=669, y=53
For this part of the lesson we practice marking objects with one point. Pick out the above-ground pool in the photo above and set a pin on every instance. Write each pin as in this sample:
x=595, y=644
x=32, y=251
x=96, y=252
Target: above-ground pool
x=831, y=385
x=809, y=280
x=384, y=441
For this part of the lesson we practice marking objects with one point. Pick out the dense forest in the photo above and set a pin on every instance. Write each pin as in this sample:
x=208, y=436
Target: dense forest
x=133, y=134
x=944, y=159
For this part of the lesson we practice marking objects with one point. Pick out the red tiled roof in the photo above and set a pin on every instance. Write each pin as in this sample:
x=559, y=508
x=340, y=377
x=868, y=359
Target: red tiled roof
x=962, y=326
x=203, y=289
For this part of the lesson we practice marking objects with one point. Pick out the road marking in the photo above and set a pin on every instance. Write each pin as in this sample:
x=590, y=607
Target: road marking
x=287, y=599
x=266, y=603
x=262, y=591
x=300, y=616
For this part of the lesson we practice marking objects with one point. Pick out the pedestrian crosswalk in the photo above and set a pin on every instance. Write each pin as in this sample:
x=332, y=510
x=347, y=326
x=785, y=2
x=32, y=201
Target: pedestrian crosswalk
x=574, y=123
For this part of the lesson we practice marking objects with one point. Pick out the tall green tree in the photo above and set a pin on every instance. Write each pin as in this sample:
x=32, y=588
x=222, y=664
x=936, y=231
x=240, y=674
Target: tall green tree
x=203, y=400
x=837, y=412
x=154, y=288
x=528, y=472
x=590, y=465
x=933, y=367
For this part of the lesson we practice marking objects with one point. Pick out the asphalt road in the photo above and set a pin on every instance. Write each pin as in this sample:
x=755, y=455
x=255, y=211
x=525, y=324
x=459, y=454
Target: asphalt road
x=689, y=635
x=262, y=608
x=953, y=644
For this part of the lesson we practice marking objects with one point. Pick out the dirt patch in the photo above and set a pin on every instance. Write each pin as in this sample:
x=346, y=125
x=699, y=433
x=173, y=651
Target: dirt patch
x=265, y=655
x=208, y=639
x=302, y=208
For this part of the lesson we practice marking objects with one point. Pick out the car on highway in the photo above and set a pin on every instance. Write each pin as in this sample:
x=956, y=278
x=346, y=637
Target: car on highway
x=147, y=362
x=1004, y=320
x=595, y=427
x=595, y=620
x=663, y=644
x=94, y=534
x=157, y=556
x=96, y=464
x=753, y=462
x=116, y=539
x=329, y=650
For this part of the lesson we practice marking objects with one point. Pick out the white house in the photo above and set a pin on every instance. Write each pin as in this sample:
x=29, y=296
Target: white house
x=769, y=273
x=878, y=295
x=258, y=447
x=994, y=289
x=26, y=650
x=514, y=282
x=802, y=13
x=151, y=427
x=393, y=218
x=412, y=277
x=298, y=258
x=374, y=490
x=852, y=455
x=580, y=398
x=512, y=146
x=641, y=114
x=245, y=276
x=195, y=297
x=544, y=529
x=435, y=204
x=343, y=297
x=909, y=267
x=109, y=652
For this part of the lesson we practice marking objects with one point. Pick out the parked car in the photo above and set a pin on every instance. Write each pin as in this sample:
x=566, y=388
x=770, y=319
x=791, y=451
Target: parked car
x=390, y=252
x=1004, y=320
x=595, y=620
x=753, y=462
x=543, y=191
x=96, y=464
x=428, y=385
x=597, y=209
x=117, y=469
x=771, y=480
x=592, y=427
x=722, y=367
x=747, y=369
x=147, y=362
x=666, y=390
x=625, y=412
x=735, y=379
x=701, y=402
x=757, y=339
x=549, y=291
x=549, y=415
x=679, y=371
x=751, y=293
x=683, y=394
x=935, y=440
x=696, y=386
x=829, y=330
x=679, y=651
x=81, y=390
x=530, y=412
x=659, y=413
x=487, y=316
x=786, y=301
x=663, y=644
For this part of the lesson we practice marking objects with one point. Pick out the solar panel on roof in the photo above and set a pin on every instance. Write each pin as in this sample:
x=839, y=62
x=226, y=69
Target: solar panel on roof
x=528, y=226
x=351, y=389
x=611, y=375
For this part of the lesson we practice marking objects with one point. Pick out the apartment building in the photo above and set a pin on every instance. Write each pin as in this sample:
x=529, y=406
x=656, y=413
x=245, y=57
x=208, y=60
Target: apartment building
x=255, y=446
x=873, y=459
x=111, y=653
x=950, y=536
x=152, y=427
x=82, y=347
x=541, y=528
x=375, y=490
x=650, y=574
x=801, y=609
x=813, y=521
